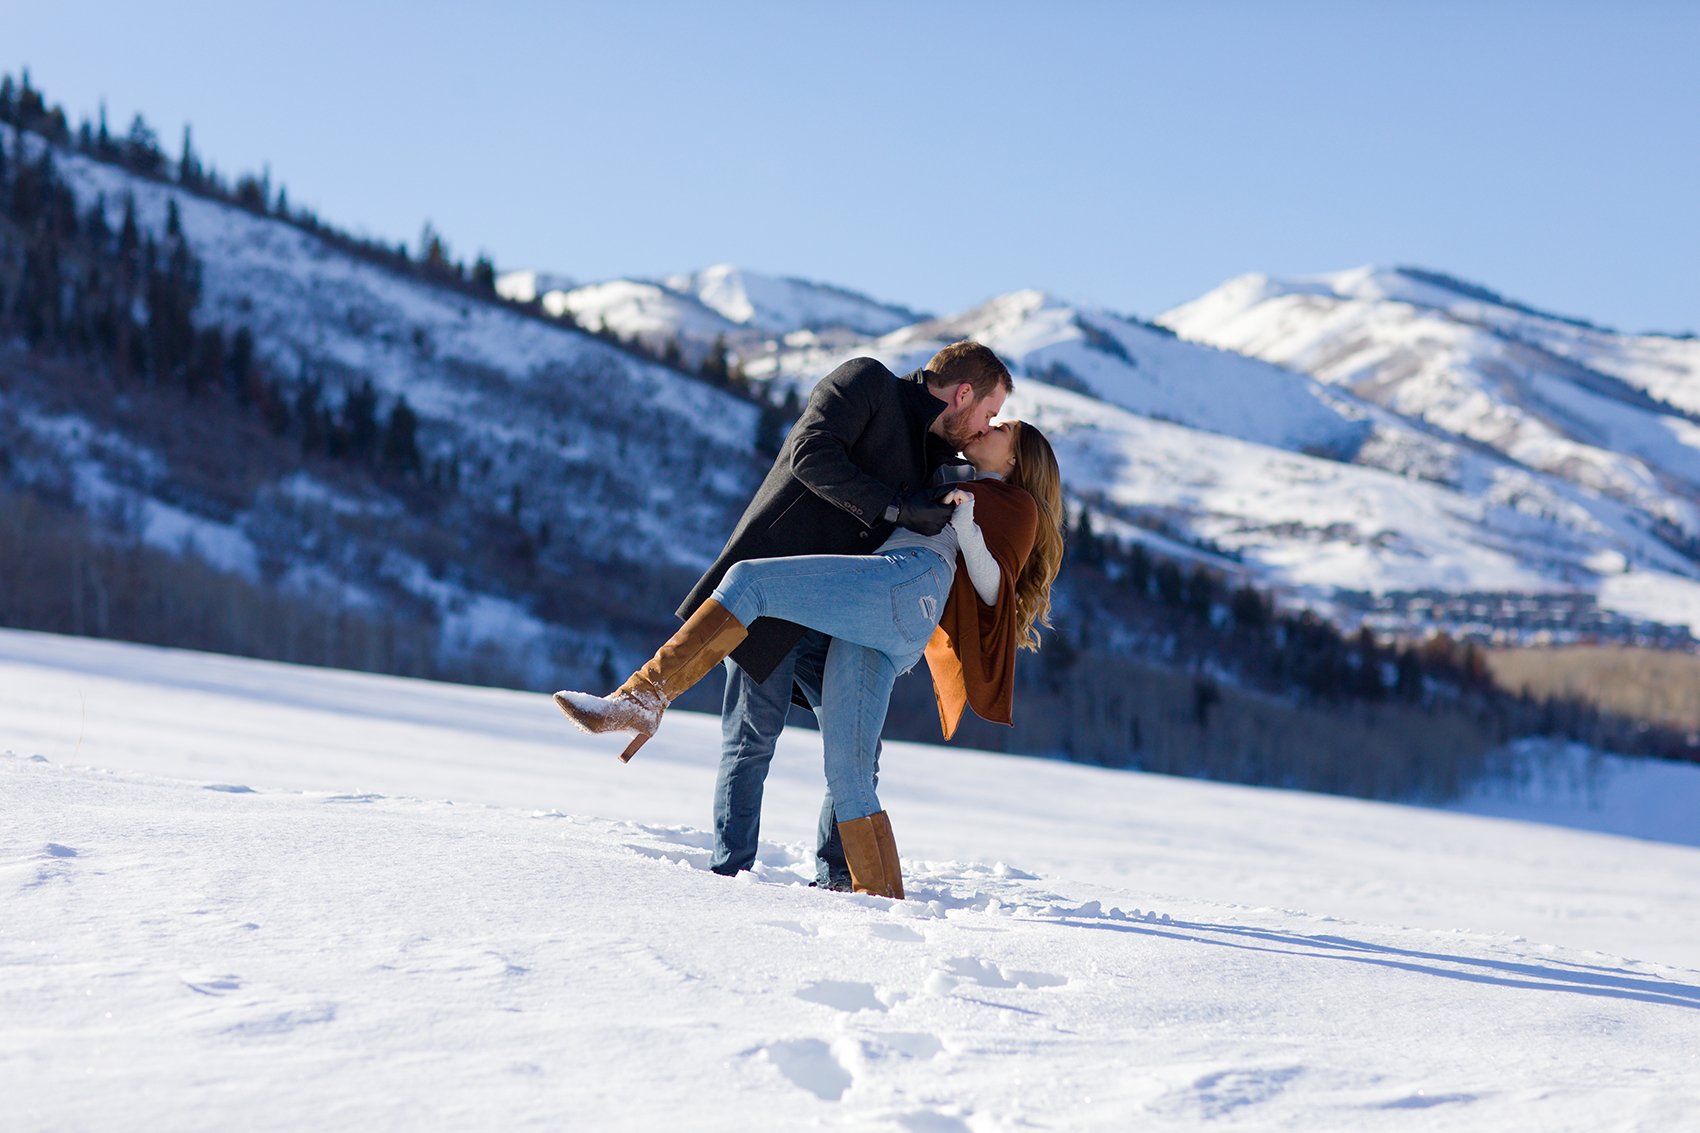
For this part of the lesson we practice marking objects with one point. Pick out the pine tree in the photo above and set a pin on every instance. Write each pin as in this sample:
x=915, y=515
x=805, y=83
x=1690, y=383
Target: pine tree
x=129, y=235
x=401, y=439
x=1170, y=586
x=1139, y=569
x=1201, y=590
x=188, y=165
x=714, y=369
x=240, y=364
x=206, y=368
x=276, y=406
x=772, y=421
x=1249, y=610
x=310, y=415
x=484, y=274
x=360, y=420
x=29, y=106
x=250, y=193
x=39, y=291
x=433, y=252
x=1085, y=547
x=1409, y=667
x=141, y=148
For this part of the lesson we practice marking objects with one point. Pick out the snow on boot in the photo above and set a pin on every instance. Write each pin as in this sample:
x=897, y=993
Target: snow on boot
x=705, y=640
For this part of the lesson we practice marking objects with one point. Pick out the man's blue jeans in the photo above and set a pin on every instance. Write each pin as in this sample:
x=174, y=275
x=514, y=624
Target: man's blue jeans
x=751, y=718
x=879, y=611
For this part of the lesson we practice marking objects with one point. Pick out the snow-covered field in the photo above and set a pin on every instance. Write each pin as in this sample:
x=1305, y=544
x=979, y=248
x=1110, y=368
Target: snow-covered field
x=244, y=895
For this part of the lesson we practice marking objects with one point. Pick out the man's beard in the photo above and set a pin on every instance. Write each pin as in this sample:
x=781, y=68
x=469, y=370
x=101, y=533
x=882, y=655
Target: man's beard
x=954, y=428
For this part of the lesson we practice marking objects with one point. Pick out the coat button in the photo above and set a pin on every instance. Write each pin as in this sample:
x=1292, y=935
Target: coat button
x=861, y=534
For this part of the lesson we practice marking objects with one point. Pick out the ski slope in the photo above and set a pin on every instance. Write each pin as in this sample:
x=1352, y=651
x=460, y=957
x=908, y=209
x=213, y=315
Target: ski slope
x=240, y=894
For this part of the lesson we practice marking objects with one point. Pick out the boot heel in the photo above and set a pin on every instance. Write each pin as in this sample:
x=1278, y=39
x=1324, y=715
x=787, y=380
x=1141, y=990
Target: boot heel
x=631, y=749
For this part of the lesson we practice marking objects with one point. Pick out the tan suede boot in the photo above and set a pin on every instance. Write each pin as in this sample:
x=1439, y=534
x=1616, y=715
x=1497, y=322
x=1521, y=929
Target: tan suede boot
x=871, y=853
x=705, y=640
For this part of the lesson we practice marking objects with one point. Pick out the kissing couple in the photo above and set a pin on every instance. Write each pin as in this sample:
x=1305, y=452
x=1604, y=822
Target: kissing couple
x=869, y=545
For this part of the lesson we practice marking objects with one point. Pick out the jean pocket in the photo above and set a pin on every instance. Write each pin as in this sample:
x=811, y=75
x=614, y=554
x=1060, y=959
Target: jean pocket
x=915, y=607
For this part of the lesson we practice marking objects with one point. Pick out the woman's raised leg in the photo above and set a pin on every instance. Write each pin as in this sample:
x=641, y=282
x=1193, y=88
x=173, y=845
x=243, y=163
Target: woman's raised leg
x=888, y=602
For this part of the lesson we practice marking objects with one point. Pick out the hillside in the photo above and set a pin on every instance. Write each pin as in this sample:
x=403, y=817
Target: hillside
x=441, y=906
x=528, y=432
x=1612, y=413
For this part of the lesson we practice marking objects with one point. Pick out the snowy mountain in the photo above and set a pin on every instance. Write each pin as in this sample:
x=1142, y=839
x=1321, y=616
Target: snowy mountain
x=444, y=909
x=744, y=309
x=1115, y=360
x=1309, y=487
x=525, y=285
x=780, y=306
x=1615, y=414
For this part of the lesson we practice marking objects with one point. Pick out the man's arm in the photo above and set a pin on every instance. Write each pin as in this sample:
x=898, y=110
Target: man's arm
x=837, y=413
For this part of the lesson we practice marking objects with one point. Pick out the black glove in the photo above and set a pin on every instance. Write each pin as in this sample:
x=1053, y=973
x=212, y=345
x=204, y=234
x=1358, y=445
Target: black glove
x=922, y=512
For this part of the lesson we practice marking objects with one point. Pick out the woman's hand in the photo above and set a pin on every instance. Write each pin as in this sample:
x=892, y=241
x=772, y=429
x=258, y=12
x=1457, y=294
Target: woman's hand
x=963, y=516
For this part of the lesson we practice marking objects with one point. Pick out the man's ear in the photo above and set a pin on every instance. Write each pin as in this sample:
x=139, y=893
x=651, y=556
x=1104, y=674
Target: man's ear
x=964, y=395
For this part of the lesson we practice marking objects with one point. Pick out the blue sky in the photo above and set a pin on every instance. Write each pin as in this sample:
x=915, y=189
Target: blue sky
x=1130, y=155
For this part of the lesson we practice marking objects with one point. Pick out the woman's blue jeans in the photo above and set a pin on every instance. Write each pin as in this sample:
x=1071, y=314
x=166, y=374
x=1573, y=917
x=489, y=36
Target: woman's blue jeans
x=879, y=610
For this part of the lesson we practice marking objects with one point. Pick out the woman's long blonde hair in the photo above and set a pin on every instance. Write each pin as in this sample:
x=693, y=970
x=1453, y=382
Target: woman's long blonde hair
x=1036, y=472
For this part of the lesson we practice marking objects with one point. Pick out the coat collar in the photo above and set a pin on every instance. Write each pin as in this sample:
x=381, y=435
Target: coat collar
x=926, y=406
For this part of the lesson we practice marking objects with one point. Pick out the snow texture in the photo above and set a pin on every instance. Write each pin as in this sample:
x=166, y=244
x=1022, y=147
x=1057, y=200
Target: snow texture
x=241, y=894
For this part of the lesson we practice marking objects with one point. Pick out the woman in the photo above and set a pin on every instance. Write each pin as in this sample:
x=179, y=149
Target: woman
x=881, y=611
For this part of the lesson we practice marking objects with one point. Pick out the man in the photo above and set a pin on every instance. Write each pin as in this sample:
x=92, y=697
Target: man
x=855, y=466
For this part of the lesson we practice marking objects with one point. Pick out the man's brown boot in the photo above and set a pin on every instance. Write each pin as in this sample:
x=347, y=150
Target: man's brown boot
x=871, y=853
x=705, y=640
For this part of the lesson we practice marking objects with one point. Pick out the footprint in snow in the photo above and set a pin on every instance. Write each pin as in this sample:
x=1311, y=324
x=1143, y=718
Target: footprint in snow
x=845, y=995
x=679, y=835
x=1223, y=1092
x=896, y=932
x=211, y=984
x=810, y=1065
x=53, y=862
x=904, y=1044
x=231, y=789
x=283, y=1022
x=981, y=973
x=1421, y=1100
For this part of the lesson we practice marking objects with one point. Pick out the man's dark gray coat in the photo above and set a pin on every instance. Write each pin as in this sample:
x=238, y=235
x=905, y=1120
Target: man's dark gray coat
x=861, y=440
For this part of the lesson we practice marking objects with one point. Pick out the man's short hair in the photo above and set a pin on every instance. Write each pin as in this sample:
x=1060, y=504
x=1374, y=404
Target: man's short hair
x=969, y=362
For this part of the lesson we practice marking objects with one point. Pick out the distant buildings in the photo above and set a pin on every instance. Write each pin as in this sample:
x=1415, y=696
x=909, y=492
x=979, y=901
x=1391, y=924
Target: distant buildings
x=1510, y=618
